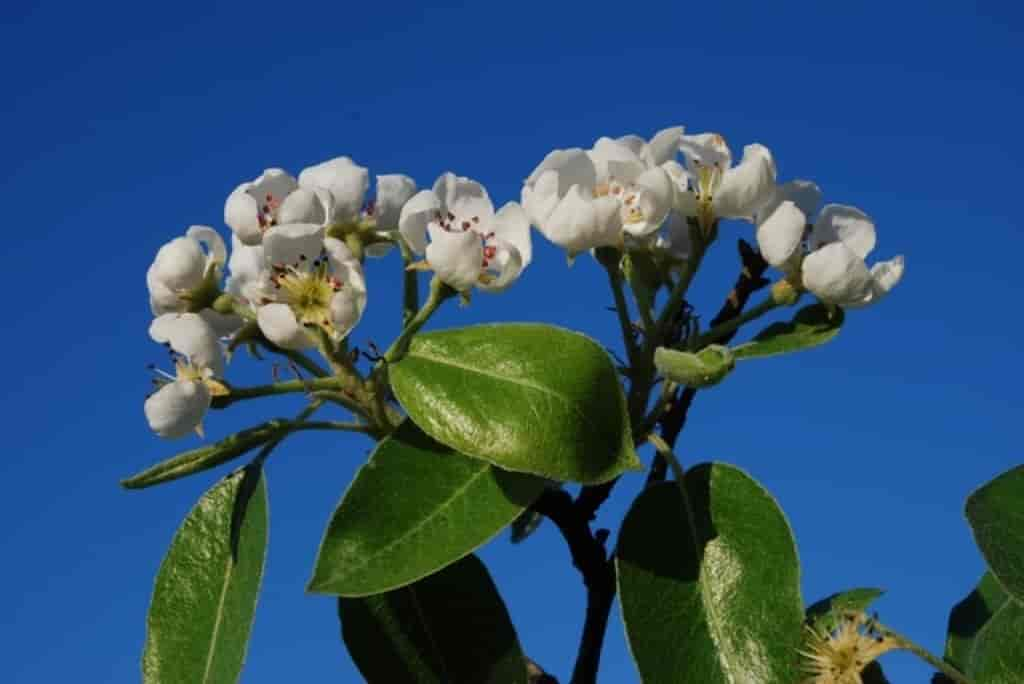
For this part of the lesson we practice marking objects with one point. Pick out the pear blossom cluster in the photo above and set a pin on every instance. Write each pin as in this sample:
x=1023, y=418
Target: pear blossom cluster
x=294, y=274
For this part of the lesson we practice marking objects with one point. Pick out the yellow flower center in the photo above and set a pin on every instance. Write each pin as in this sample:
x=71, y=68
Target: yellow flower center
x=308, y=293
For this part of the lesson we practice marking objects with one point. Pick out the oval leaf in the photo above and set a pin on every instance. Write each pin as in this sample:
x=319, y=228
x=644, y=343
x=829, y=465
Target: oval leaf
x=823, y=615
x=995, y=512
x=415, y=507
x=205, y=596
x=526, y=397
x=969, y=616
x=996, y=656
x=448, y=628
x=203, y=458
x=812, y=326
x=710, y=583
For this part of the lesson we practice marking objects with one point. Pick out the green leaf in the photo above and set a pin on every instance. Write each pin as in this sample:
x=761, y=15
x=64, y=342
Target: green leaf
x=969, y=616
x=812, y=326
x=997, y=656
x=710, y=582
x=415, y=507
x=205, y=597
x=448, y=628
x=203, y=458
x=525, y=397
x=995, y=512
x=823, y=615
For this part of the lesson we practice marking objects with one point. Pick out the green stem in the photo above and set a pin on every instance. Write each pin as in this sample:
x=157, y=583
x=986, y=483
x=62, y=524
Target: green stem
x=303, y=361
x=678, y=294
x=933, y=660
x=662, y=447
x=439, y=292
x=410, y=286
x=622, y=311
x=286, y=387
x=723, y=329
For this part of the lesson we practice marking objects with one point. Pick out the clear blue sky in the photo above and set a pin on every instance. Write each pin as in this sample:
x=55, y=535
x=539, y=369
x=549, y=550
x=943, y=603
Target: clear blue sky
x=126, y=123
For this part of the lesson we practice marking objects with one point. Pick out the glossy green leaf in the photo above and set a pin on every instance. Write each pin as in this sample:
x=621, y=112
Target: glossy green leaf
x=997, y=656
x=448, y=628
x=709, y=582
x=202, y=458
x=205, y=596
x=415, y=507
x=995, y=512
x=823, y=615
x=526, y=397
x=812, y=326
x=969, y=616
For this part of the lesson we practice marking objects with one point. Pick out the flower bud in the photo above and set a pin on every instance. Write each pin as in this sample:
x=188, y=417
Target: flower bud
x=706, y=368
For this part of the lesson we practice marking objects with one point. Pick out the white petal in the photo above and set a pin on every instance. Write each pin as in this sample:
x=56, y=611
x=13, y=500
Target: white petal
x=346, y=181
x=663, y=146
x=511, y=225
x=302, y=206
x=346, y=309
x=275, y=182
x=613, y=159
x=805, y=194
x=245, y=266
x=657, y=193
x=177, y=408
x=507, y=264
x=456, y=257
x=746, y=186
x=707, y=149
x=573, y=167
x=838, y=275
x=346, y=268
x=575, y=224
x=885, y=275
x=242, y=214
x=277, y=321
x=414, y=217
x=211, y=239
x=848, y=224
x=193, y=337
x=162, y=299
x=463, y=197
x=541, y=198
x=675, y=237
x=224, y=325
x=393, y=191
x=780, y=234
x=288, y=244
x=179, y=265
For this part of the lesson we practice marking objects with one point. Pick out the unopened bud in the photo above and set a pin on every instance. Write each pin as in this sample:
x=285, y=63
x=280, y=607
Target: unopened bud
x=784, y=293
x=706, y=368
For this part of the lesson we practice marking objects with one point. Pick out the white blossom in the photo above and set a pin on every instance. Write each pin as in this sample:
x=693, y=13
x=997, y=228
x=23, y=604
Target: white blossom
x=308, y=282
x=829, y=259
x=186, y=273
x=581, y=199
x=709, y=187
x=274, y=198
x=179, y=404
x=470, y=245
x=393, y=191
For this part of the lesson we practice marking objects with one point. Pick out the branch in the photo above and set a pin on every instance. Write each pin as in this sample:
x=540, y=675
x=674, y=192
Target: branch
x=750, y=280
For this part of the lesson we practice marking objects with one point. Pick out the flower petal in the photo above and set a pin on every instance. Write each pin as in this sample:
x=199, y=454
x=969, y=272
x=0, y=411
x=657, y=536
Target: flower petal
x=780, y=234
x=393, y=191
x=746, y=186
x=463, y=197
x=838, y=275
x=242, y=214
x=245, y=266
x=191, y=336
x=211, y=239
x=507, y=264
x=847, y=224
x=302, y=206
x=805, y=194
x=512, y=226
x=675, y=237
x=179, y=265
x=663, y=146
x=613, y=159
x=345, y=180
x=707, y=149
x=288, y=244
x=580, y=222
x=414, y=217
x=884, y=276
x=456, y=256
x=277, y=321
x=177, y=408
x=572, y=167
x=655, y=199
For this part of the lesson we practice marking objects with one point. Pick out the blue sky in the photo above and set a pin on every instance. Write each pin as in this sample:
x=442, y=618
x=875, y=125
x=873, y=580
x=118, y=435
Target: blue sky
x=128, y=122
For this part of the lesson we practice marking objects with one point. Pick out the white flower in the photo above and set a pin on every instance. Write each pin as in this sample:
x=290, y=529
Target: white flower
x=581, y=199
x=185, y=275
x=393, y=191
x=307, y=282
x=272, y=199
x=178, y=406
x=245, y=267
x=830, y=260
x=674, y=238
x=345, y=184
x=470, y=245
x=709, y=187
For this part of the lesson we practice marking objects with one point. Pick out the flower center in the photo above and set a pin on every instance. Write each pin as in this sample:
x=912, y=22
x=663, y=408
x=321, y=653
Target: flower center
x=451, y=223
x=628, y=197
x=308, y=291
x=268, y=211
